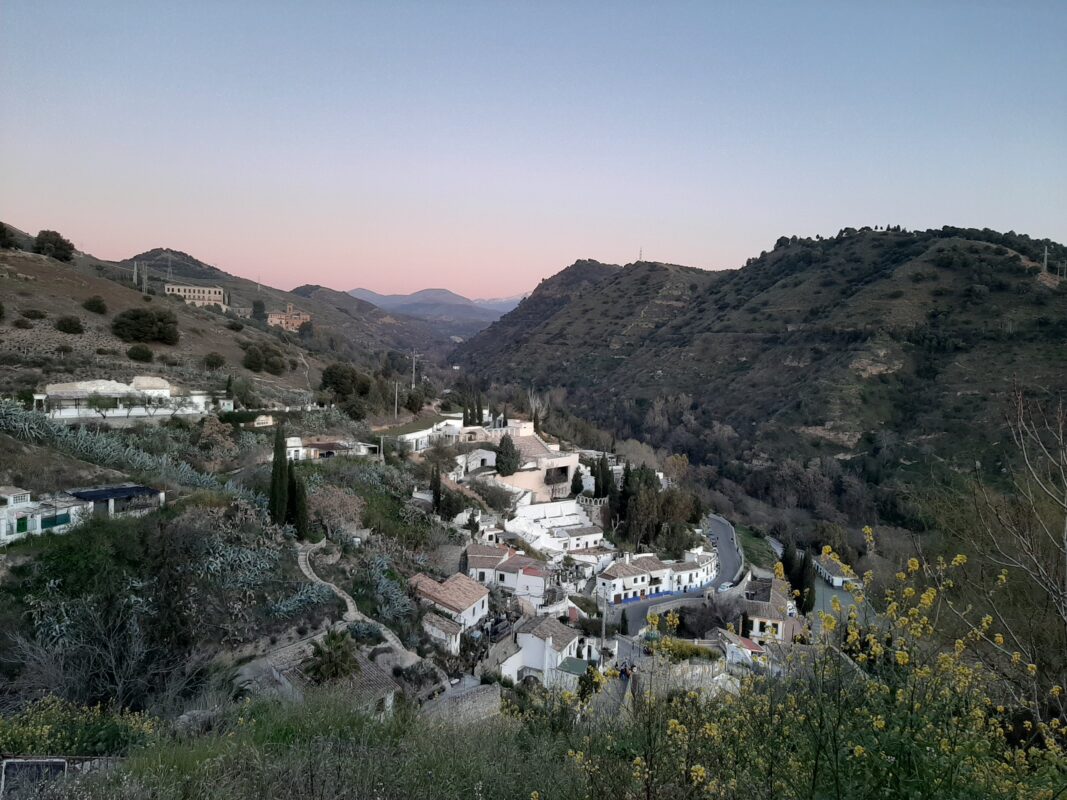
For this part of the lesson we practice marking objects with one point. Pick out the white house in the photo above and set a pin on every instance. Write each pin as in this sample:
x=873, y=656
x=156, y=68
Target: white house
x=20, y=516
x=483, y=559
x=460, y=598
x=556, y=528
x=544, y=643
x=444, y=632
x=642, y=574
x=467, y=463
x=770, y=610
x=831, y=570
x=146, y=396
x=544, y=470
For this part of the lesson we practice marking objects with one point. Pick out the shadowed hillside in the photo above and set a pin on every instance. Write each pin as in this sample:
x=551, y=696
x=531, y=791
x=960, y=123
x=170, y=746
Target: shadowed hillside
x=888, y=346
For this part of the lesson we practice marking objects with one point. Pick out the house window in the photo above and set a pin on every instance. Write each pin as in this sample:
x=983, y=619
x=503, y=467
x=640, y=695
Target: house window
x=481, y=575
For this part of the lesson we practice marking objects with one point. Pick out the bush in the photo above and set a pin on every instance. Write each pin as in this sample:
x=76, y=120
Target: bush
x=146, y=325
x=253, y=359
x=1, y=312
x=139, y=352
x=33, y=313
x=214, y=360
x=234, y=325
x=71, y=325
x=95, y=304
x=50, y=243
x=22, y=323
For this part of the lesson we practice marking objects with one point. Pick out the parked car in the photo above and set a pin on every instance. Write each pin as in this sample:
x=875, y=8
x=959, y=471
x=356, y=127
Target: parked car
x=725, y=587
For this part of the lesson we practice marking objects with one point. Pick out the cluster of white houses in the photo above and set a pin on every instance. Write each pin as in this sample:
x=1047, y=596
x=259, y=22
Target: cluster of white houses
x=544, y=472
x=641, y=575
x=145, y=396
x=22, y=516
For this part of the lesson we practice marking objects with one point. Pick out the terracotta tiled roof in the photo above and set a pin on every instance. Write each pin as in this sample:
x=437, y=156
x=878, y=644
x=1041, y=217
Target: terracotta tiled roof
x=620, y=569
x=457, y=593
x=486, y=556
x=446, y=626
x=517, y=563
x=545, y=627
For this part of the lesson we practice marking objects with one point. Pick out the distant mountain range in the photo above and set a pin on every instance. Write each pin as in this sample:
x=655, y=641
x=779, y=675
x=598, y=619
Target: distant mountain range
x=463, y=317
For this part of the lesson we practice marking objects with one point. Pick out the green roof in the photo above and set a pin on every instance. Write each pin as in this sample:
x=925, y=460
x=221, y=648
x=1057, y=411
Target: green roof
x=573, y=666
x=417, y=424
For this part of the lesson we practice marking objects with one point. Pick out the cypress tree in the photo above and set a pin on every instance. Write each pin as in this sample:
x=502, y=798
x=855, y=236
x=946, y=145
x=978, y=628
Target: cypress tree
x=807, y=588
x=298, y=502
x=479, y=418
x=435, y=487
x=505, y=422
x=576, y=482
x=507, y=456
x=466, y=414
x=604, y=473
x=290, y=508
x=279, y=479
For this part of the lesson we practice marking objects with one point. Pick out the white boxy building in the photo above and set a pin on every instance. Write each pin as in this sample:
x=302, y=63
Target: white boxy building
x=458, y=597
x=21, y=516
x=144, y=397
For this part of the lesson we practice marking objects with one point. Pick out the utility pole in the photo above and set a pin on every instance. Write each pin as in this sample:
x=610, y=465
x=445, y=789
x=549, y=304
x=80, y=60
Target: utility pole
x=1046, y=259
x=135, y=273
x=396, y=399
x=414, y=355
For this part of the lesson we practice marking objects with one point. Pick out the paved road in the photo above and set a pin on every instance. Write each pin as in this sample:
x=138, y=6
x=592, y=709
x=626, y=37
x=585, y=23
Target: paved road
x=729, y=551
x=730, y=562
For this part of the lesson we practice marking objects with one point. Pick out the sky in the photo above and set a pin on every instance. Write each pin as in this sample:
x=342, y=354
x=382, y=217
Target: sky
x=483, y=146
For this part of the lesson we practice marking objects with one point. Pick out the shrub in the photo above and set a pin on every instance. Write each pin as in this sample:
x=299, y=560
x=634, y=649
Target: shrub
x=33, y=313
x=1, y=311
x=234, y=325
x=51, y=725
x=50, y=243
x=71, y=325
x=95, y=304
x=146, y=325
x=22, y=323
x=213, y=361
x=253, y=359
x=139, y=352
x=64, y=349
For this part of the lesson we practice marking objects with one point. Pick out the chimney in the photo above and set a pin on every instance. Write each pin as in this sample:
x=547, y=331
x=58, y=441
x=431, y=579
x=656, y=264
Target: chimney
x=626, y=557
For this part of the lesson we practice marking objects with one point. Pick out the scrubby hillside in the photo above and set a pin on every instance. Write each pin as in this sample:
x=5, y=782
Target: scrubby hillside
x=40, y=291
x=891, y=346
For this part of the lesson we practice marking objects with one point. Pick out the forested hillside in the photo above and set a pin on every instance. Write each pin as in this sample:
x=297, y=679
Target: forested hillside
x=889, y=350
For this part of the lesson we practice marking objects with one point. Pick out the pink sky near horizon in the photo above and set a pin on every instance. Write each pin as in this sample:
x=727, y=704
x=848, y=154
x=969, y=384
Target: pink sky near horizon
x=482, y=147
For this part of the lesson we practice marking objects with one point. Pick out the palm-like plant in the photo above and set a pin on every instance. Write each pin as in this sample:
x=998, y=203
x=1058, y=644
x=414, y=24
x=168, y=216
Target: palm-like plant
x=332, y=657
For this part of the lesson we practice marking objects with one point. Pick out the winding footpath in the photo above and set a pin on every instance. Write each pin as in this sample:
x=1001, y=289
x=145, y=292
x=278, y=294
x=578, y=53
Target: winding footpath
x=352, y=612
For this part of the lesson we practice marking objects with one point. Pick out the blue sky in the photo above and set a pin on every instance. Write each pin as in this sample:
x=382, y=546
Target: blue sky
x=483, y=146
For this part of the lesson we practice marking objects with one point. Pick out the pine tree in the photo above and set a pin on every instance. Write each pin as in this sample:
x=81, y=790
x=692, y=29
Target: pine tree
x=279, y=479
x=576, y=482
